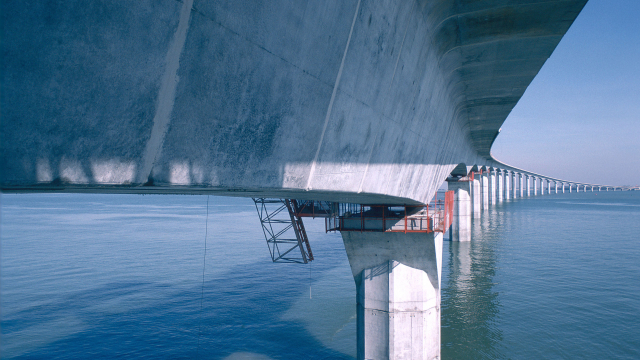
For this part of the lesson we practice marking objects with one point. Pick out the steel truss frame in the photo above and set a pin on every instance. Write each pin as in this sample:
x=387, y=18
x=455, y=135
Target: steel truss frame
x=284, y=230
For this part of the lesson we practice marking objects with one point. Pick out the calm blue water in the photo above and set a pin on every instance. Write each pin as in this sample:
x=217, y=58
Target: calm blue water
x=120, y=276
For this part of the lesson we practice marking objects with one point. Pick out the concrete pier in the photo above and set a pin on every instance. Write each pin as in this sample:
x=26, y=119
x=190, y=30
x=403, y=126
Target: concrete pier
x=492, y=187
x=541, y=186
x=522, y=180
x=535, y=186
x=507, y=185
x=397, y=280
x=485, y=191
x=515, y=182
x=461, y=222
x=528, y=185
x=476, y=198
x=500, y=183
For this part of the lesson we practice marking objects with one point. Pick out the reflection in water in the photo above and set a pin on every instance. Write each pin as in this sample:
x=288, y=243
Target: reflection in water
x=469, y=303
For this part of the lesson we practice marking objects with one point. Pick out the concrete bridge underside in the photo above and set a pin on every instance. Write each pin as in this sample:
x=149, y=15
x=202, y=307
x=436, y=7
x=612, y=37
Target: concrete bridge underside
x=356, y=101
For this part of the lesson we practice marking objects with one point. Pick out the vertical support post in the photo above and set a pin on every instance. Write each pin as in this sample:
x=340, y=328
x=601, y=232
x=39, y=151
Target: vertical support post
x=461, y=222
x=528, y=185
x=556, y=183
x=500, y=180
x=535, y=186
x=522, y=185
x=514, y=183
x=492, y=187
x=507, y=185
x=397, y=280
x=541, y=186
x=485, y=191
x=476, y=197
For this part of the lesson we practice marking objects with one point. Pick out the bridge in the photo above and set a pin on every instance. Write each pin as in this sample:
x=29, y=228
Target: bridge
x=340, y=103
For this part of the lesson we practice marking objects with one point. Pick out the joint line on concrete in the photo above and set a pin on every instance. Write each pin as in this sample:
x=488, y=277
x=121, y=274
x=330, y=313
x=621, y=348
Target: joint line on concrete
x=167, y=94
x=333, y=96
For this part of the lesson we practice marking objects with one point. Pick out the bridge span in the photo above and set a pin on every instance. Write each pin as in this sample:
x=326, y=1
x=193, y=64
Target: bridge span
x=340, y=102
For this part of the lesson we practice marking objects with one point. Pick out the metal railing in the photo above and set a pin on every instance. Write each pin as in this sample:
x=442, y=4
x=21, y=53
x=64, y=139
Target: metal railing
x=433, y=217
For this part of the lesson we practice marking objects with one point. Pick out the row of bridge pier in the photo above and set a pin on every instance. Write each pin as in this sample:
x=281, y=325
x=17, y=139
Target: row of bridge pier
x=395, y=251
x=486, y=187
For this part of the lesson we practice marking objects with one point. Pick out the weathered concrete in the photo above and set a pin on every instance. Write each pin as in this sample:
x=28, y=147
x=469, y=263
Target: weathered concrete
x=500, y=187
x=492, y=187
x=398, y=293
x=305, y=99
x=461, y=222
x=476, y=198
x=507, y=185
x=485, y=191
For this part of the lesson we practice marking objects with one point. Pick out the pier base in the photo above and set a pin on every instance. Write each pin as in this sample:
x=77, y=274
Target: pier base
x=461, y=224
x=397, y=279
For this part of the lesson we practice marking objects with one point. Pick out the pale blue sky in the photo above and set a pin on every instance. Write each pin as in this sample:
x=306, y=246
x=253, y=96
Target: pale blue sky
x=579, y=119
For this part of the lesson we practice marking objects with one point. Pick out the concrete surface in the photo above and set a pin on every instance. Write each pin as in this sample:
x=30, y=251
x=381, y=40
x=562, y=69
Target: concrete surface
x=314, y=99
x=398, y=293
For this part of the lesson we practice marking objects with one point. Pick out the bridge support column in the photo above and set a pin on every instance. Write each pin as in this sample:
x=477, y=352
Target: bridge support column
x=569, y=187
x=397, y=279
x=461, y=222
x=514, y=184
x=492, y=187
x=500, y=183
x=541, y=186
x=476, y=198
x=548, y=186
x=528, y=185
x=535, y=186
x=507, y=185
x=485, y=191
x=522, y=180
x=556, y=184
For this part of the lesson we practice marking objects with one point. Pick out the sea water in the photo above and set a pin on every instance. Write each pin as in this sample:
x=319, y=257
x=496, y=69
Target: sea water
x=131, y=276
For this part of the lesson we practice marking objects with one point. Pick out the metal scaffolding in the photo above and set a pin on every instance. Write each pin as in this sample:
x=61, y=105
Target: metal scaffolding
x=284, y=230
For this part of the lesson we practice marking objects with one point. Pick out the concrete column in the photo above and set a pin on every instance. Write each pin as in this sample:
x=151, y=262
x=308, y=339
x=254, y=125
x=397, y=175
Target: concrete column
x=500, y=190
x=507, y=185
x=522, y=180
x=461, y=222
x=535, y=186
x=563, y=184
x=569, y=187
x=548, y=186
x=476, y=197
x=514, y=184
x=492, y=187
x=556, y=183
x=485, y=191
x=541, y=186
x=528, y=185
x=397, y=280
